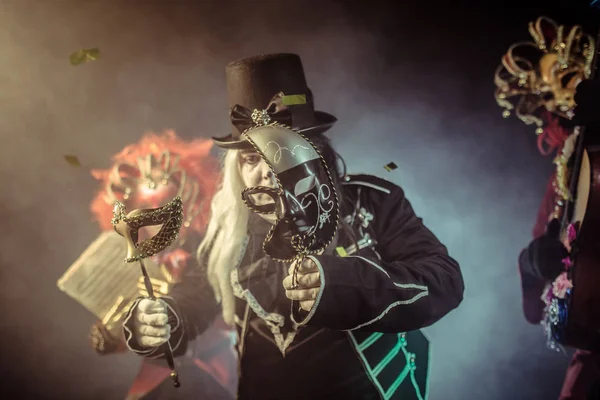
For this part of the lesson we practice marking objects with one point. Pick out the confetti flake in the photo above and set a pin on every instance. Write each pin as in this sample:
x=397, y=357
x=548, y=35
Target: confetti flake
x=73, y=161
x=390, y=167
x=341, y=251
x=84, y=55
x=294, y=99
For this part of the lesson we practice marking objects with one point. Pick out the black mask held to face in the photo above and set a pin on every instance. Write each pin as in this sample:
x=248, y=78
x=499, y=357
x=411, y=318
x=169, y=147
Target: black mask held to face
x=304, y=200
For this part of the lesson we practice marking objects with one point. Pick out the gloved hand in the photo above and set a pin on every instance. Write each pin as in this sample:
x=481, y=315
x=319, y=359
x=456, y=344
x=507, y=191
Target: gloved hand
x=151, y=328
x=587, y=98
x=547, y=252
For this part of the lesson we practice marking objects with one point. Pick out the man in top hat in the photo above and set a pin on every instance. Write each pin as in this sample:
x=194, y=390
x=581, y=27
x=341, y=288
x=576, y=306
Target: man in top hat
x=328, y=277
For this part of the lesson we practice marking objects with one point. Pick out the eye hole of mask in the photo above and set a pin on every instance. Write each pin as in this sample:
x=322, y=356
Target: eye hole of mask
x=570, y=80
x=262, y=199
x=305, y=185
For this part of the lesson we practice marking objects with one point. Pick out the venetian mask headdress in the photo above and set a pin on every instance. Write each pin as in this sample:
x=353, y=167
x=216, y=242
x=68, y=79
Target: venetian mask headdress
x=541, y=75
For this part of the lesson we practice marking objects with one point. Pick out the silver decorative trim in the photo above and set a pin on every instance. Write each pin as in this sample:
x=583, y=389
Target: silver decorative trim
x=400, y=285
x=361, y=183
x=319, y=295
x=424, y=292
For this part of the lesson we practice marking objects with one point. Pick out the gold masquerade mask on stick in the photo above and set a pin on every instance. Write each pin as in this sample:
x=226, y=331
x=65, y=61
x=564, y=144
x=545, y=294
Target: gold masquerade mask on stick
x=541, y=75
x=128, y=225
x=170, y=217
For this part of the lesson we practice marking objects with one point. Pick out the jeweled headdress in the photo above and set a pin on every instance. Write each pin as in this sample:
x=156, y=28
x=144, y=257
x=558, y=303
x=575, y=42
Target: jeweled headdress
x=541, y=75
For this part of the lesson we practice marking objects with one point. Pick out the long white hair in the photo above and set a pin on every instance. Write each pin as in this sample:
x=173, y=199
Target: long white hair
x=225, y=234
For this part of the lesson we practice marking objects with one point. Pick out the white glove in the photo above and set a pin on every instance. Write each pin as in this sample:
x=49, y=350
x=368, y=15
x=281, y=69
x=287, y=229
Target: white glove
x=150, y=323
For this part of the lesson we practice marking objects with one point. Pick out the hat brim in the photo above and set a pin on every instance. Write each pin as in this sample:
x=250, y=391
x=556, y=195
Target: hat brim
x=324, y=122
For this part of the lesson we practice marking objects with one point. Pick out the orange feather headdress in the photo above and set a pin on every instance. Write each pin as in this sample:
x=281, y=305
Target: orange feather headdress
x=152, y=172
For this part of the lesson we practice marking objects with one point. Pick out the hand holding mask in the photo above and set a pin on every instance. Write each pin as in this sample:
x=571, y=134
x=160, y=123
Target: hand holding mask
x=307, y=289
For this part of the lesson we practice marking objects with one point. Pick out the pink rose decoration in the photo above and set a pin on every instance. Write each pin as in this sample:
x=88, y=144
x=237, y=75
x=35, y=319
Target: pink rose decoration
x=567, y=262
x=547, y=295
x=571, y=232
x=561, y=285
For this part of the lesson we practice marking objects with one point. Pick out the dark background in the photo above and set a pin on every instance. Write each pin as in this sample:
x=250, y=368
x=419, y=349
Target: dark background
x=411, y=82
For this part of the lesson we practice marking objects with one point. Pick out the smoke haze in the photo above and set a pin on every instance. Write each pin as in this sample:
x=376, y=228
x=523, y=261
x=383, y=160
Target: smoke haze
x=407, y=86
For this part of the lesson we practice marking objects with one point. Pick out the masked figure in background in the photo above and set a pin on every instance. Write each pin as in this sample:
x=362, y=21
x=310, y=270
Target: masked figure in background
x=544, y=83
x=328, y=277
x=148, y=175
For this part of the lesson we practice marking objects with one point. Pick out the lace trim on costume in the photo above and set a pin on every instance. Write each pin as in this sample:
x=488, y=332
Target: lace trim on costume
x=273, y=320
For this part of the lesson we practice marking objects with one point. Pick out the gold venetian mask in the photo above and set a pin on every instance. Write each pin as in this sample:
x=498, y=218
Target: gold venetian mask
x=541, y=75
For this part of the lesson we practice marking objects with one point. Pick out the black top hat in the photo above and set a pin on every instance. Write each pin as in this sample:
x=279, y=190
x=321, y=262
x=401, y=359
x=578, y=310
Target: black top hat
x=254, y=83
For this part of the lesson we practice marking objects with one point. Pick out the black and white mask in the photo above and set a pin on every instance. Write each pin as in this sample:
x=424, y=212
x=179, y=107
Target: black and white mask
x=304, y=199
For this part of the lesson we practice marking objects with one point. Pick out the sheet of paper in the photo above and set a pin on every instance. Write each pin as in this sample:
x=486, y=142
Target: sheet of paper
x=101, y=281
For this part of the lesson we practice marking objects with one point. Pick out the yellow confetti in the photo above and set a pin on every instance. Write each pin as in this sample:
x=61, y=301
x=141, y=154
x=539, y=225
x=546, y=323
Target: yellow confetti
x=73, y=161
x=341, y=251
x=294, y=99
x=390, y=167
x=84, y=55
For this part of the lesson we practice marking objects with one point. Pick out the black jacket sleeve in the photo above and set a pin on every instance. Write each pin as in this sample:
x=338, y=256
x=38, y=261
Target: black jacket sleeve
x=414, y=284
x=191, y=307
x=542, y=259
x=532, y=287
